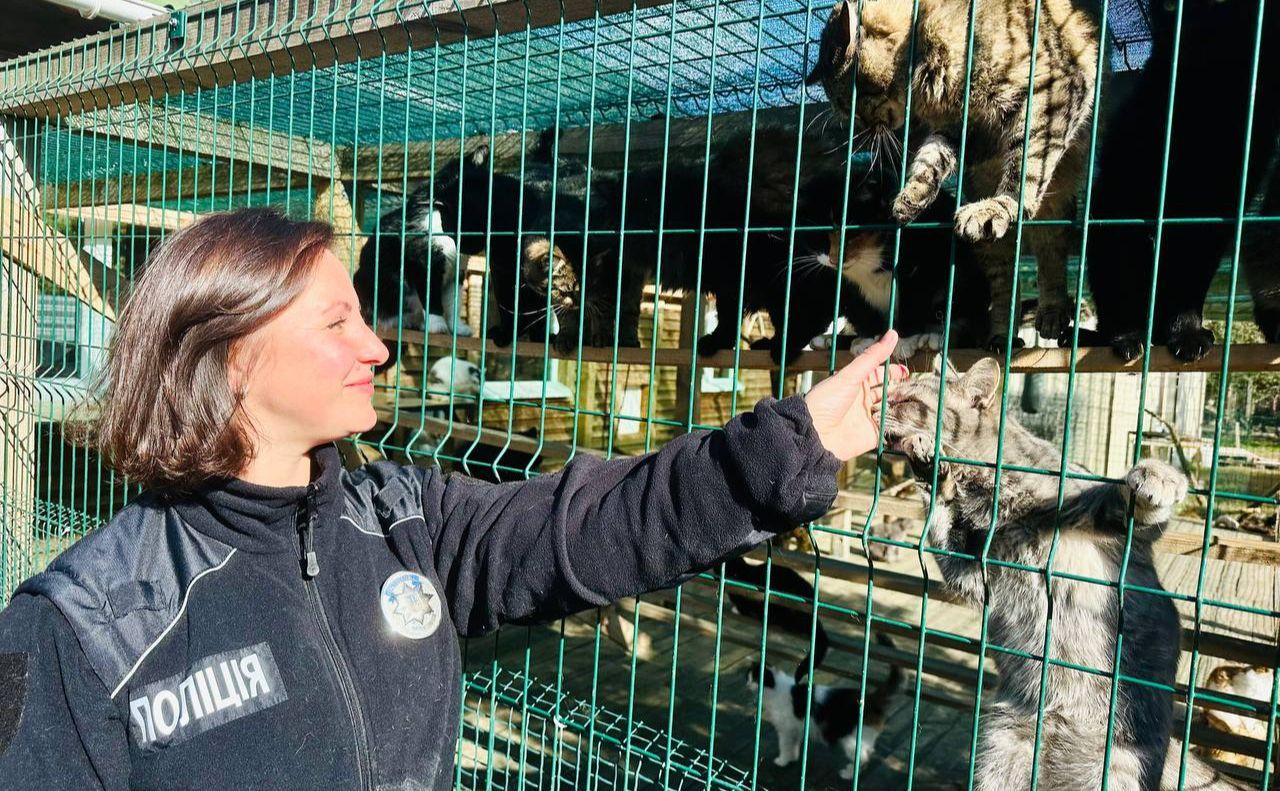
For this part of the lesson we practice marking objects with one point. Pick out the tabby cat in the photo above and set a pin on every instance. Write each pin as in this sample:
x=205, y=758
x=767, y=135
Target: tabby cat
x=1086, y=616
x=872, y=54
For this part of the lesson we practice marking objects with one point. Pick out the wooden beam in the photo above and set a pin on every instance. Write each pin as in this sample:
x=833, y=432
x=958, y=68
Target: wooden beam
x=161, y=186
x=128, y=214
x=294, y=36
x=32, y=244
x=1244, y=357
x=167, y=128
x=647, y=141
x=332, y=205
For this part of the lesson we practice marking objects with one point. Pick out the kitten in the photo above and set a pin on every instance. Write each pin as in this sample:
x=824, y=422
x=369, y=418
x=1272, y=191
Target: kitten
x=783, y=614
x=451, y=375
x=1086, y=616
x=833, y=713
x=872, y=53
x=1205, y=164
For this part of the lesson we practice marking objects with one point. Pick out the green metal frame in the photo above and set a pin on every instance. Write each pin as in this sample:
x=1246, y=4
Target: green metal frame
x=258, y=103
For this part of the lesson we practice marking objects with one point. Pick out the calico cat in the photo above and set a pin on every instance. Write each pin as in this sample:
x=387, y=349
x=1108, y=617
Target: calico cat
x=923, y=279
x=1205, y=164
x=833, y=713
x=783, y=614
x=871, y=53
x=1086, y=616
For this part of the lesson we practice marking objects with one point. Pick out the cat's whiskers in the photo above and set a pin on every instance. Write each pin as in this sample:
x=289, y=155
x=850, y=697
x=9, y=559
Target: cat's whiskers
x=825, y=114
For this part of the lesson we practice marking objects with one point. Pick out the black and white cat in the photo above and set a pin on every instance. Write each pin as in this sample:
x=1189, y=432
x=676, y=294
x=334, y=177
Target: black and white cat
x=468, y=210
x=784, y=615
x=786, y=274
x=833, y=713
x=1260, y=258
x=924, y=285
x=683, y=222
x=409, y=259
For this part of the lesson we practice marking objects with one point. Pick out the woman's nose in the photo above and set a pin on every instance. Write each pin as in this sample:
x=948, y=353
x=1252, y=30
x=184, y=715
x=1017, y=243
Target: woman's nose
x=374, y=352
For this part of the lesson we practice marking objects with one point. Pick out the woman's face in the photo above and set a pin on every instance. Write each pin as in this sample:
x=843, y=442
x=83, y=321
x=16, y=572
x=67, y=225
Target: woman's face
x=306, y=373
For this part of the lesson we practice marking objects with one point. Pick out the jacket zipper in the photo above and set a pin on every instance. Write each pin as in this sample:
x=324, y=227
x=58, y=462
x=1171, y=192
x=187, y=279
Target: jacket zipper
x=310, y=568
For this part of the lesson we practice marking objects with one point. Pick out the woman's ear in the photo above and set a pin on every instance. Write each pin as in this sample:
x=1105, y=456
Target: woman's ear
x=982, y=382
x=239, y=363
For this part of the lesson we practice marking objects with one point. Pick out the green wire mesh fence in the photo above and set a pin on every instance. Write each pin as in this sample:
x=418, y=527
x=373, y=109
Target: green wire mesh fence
x=643, y=154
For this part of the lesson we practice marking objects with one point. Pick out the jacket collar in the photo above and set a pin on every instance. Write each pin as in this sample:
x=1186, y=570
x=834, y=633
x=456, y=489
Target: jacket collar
x=256, y=518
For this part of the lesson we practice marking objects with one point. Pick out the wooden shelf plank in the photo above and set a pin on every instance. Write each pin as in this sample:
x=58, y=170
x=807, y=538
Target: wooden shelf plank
x=129, y=214
x=163, y=127
x=1244, y=357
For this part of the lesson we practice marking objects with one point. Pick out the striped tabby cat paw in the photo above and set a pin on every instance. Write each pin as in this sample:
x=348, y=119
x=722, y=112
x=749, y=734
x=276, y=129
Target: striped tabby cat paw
x=986, y=220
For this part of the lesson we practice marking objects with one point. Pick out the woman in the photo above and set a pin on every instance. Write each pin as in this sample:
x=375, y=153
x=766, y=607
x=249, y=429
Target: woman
x=262, y=617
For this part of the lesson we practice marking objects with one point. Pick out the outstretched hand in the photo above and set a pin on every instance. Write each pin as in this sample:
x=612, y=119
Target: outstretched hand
x=842, y=405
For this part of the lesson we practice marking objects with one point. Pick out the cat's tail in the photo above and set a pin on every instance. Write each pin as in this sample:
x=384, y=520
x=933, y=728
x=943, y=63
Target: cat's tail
x=878, y=699
x=782, y=615
x=1200, y=776
x=820, y=646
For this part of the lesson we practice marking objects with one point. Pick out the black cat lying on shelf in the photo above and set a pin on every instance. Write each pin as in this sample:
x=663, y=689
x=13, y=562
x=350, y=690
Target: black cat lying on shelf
x=788, y=275
x=594, y=287
x=420, y=244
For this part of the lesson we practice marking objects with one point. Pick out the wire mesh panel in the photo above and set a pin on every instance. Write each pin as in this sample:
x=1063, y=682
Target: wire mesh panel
x=589, y=228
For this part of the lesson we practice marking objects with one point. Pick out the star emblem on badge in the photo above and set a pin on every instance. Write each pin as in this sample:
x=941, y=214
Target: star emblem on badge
x=410, y=605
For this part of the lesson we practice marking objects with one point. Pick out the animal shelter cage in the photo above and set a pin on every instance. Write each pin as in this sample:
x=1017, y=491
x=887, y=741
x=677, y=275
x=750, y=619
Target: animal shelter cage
x=345, y=110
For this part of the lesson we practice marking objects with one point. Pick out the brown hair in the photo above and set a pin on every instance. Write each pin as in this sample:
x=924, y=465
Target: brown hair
x=167, y=416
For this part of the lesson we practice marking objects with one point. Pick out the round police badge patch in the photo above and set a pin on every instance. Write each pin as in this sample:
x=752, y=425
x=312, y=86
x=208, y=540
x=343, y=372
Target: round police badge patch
x=410, y=605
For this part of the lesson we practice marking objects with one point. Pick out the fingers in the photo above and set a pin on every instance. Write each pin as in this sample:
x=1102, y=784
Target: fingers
x=867, y=363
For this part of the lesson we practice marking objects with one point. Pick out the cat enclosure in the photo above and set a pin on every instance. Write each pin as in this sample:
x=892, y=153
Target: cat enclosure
x=339, y=109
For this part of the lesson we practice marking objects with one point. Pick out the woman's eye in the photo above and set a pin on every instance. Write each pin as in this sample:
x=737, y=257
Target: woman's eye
x=337, y=324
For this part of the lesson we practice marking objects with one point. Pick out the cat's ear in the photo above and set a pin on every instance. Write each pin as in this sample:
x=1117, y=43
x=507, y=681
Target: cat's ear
x=982, y=382
x=943, y=368
x=836, y=36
